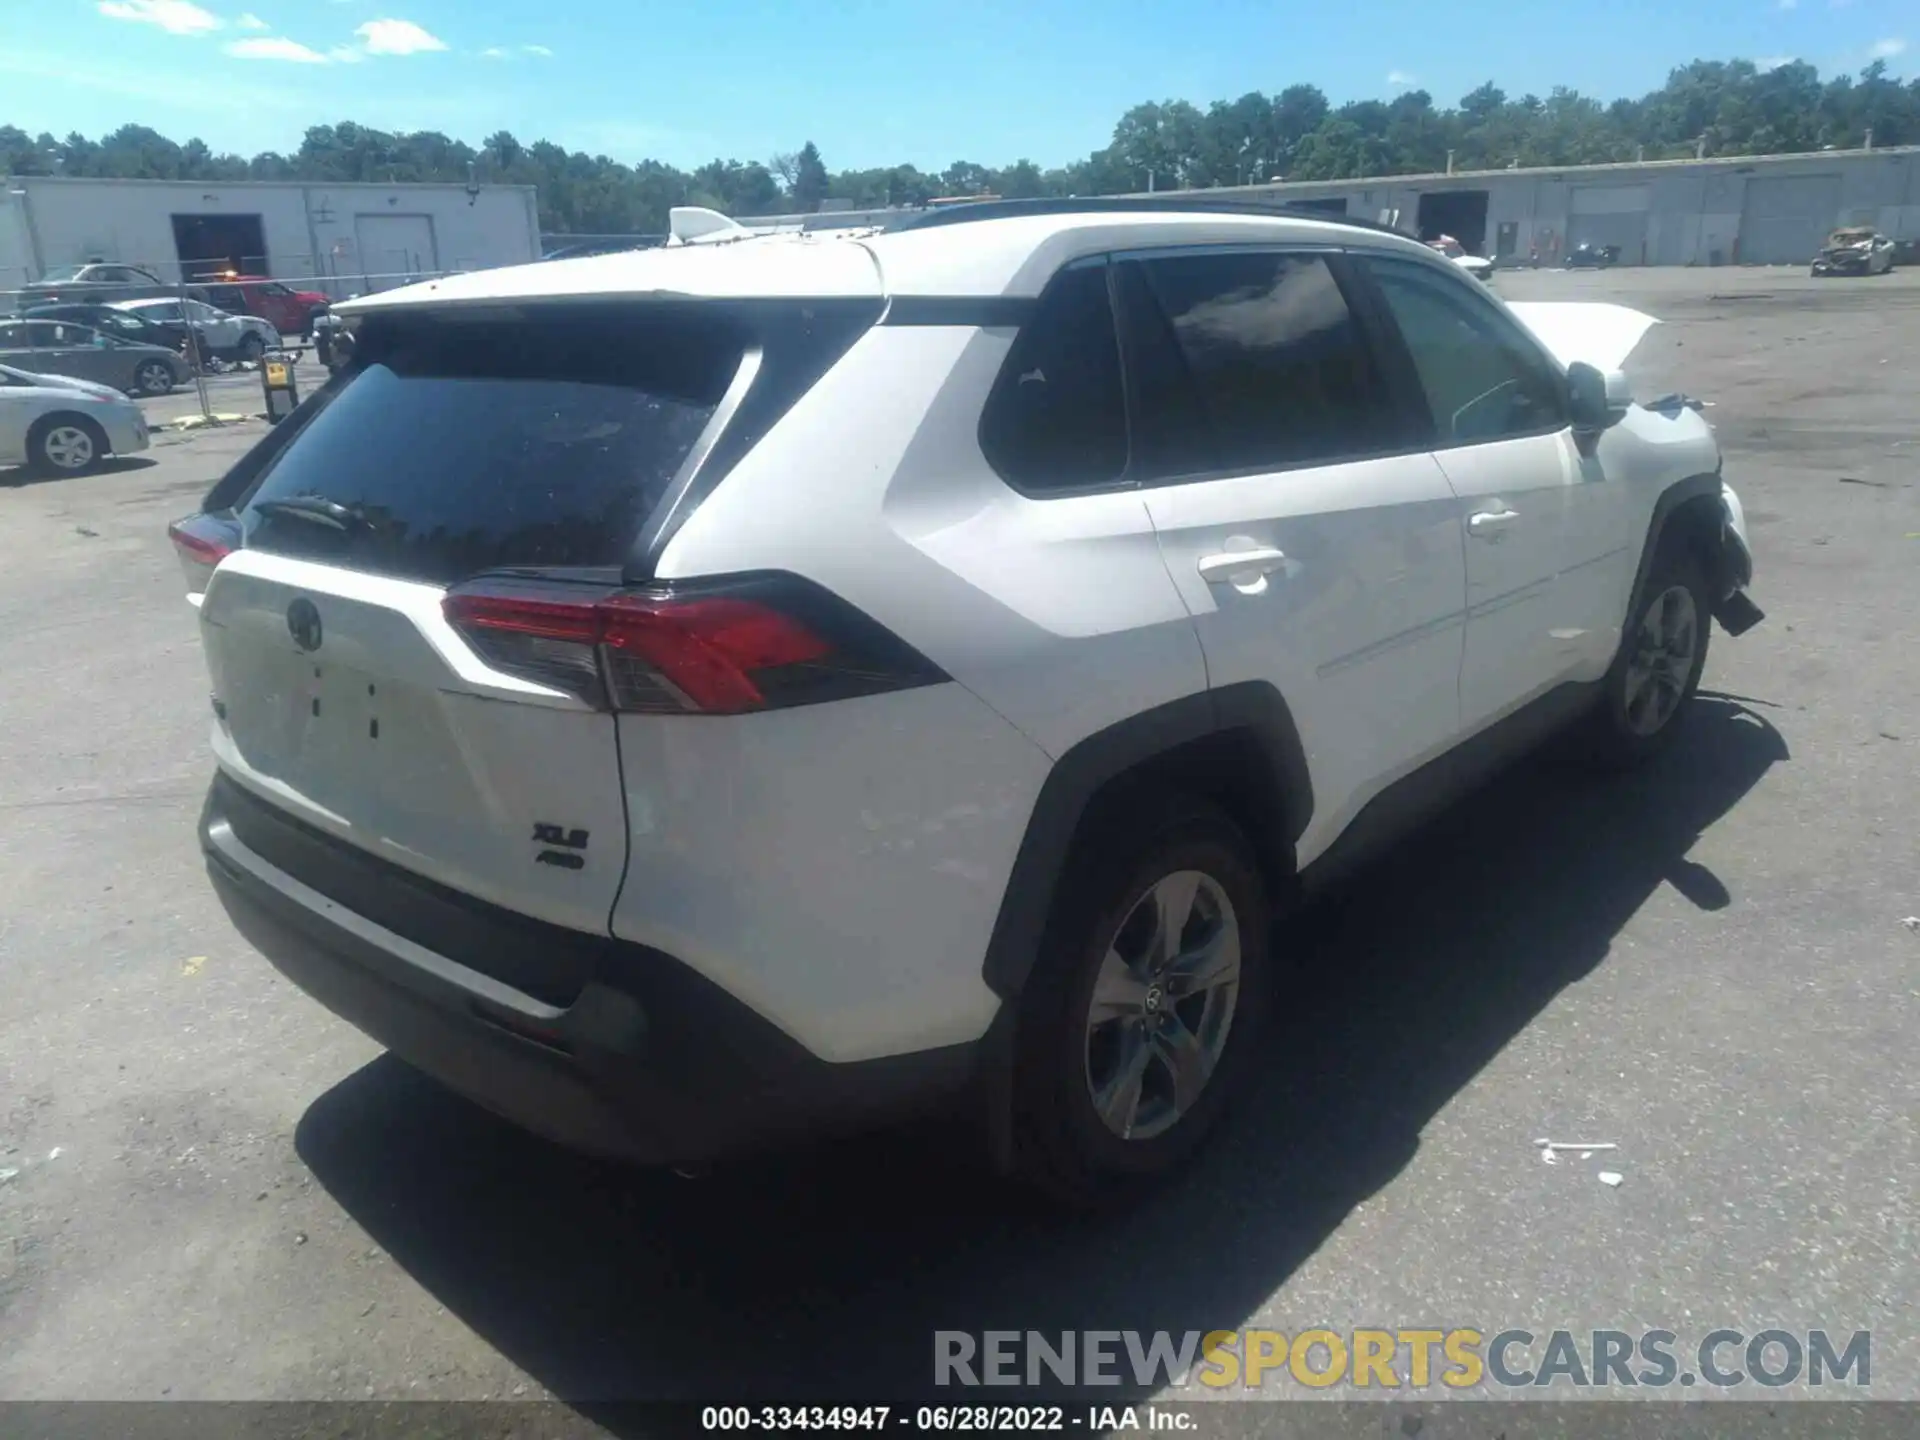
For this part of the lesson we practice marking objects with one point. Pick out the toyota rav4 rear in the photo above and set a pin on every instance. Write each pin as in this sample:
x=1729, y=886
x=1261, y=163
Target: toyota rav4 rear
x=458, y=711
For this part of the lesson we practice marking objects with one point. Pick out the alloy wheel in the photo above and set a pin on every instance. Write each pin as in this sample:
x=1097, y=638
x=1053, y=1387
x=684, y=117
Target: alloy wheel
x=1662, y=660
x=1162, y=1006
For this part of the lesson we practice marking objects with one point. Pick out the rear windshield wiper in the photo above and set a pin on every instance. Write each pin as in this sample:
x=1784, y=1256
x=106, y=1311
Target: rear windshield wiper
x=316, y=508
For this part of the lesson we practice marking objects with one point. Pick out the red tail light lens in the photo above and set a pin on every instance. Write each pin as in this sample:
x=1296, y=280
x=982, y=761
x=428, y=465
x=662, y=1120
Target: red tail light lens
x=757, y=643
x=701, y=652
x=200, y=541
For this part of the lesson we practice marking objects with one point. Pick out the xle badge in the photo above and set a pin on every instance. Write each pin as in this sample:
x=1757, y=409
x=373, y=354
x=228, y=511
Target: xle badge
x=572, y=841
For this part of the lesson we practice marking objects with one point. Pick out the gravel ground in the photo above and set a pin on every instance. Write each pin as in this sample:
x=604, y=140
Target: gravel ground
x=213, y=1190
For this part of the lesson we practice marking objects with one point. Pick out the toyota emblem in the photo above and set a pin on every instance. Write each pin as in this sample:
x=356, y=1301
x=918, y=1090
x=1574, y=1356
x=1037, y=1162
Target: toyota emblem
x=303, y=623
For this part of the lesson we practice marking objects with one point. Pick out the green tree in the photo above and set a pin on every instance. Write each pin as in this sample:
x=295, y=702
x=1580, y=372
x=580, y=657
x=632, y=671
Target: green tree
x=809, y=179
x=1728, y=106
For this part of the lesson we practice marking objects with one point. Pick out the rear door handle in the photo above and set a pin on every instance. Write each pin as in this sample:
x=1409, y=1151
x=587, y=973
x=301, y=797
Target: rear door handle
x=1241, y=566
x=1491, y=524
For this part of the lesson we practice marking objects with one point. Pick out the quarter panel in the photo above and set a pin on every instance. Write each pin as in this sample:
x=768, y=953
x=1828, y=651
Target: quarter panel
x=1058, y=613
x=838, y=868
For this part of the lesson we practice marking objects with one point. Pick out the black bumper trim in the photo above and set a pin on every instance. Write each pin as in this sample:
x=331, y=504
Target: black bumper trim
x=649, y=1061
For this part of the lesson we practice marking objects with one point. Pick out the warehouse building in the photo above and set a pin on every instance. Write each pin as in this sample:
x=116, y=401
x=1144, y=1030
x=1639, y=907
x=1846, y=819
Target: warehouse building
x=342, y=238
x=1744, y=210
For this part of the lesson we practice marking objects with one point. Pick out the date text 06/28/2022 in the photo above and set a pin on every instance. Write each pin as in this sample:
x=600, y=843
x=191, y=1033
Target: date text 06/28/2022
x=998, y=1419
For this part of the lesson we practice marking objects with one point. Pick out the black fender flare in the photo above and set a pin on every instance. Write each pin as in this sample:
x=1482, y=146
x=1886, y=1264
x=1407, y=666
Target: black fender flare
x=1681, y=492
x=1252, y=709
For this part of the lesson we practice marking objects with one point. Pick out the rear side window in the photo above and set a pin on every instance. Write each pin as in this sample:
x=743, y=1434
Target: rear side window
x=1482, y=380
x=515, y=441
x=1249, y=360
x=1056, y=419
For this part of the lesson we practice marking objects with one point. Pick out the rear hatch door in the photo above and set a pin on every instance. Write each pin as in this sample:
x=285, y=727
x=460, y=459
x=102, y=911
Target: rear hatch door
x=514, y=444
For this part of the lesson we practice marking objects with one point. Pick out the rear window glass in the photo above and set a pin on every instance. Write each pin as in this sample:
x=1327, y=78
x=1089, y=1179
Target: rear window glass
x=464, y=445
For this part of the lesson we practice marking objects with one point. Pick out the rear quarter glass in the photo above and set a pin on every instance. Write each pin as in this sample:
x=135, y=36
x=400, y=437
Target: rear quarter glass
x=535, y=439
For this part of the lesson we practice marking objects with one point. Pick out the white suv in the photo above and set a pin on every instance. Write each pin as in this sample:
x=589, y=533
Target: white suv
x=694, y=698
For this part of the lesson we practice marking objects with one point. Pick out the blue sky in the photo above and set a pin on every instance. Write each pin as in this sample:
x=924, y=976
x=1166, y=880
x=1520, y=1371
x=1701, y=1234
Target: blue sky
x=872, y=82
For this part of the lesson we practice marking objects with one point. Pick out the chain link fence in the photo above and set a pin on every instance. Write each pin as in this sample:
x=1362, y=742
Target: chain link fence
x=154, y=329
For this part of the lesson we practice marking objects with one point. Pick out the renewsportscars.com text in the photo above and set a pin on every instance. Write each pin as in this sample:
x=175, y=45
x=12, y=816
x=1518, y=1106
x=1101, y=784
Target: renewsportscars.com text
x=1402, y=1359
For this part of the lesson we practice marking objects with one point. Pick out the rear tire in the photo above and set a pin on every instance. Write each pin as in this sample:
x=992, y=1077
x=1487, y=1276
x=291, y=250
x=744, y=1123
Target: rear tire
x=1133, y=1032
x=1649, y=689
x=65, y=445
x=252, y=347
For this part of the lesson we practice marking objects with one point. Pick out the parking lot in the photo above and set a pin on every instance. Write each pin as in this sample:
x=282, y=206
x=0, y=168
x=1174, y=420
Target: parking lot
x=211, y=1189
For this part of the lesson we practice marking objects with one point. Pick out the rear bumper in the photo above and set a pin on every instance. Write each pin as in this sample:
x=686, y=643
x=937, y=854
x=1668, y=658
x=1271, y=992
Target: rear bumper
x=644, y=1061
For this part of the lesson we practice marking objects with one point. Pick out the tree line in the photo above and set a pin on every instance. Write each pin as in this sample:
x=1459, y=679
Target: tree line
x=1707, y=107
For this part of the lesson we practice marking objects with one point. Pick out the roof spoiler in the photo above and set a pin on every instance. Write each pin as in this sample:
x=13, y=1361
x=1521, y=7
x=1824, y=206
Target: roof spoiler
x=688, y=223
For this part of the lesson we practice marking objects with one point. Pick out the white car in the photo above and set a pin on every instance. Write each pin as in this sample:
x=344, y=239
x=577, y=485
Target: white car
x=693, y=698
x=224, y=336
x=61, y=426
x=1477, y=266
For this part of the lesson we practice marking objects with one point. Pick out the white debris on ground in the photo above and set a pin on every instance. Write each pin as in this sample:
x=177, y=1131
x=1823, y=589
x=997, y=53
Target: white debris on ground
x=1551, y=1150
x=1611, y=1177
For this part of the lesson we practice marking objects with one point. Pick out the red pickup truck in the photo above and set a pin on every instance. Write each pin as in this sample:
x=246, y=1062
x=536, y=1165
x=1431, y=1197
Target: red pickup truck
x=289, y=311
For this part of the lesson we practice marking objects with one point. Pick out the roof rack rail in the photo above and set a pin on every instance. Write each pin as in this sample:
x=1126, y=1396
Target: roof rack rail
x=960, y=214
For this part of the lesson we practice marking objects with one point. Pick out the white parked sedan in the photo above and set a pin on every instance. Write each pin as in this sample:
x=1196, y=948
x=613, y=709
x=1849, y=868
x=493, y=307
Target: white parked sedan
x=61, y=426
x=1477, y=266
x=229, y=337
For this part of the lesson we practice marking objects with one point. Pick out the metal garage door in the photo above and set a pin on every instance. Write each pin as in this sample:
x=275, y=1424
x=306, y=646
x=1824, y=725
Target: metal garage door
x=1786, y=217
x=394, y=248
x=1610, y=215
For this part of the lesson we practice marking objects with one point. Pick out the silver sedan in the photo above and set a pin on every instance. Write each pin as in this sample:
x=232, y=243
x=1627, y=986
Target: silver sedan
x=60, y=347
x=61, y=426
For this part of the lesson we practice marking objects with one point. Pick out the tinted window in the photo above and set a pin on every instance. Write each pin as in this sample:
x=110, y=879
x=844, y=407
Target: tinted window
x=1250, y=360
x=51, y=335
x=123, y=324
x=13, y=337
x=467, y=445
x=1483, y=380
x=1056, y=418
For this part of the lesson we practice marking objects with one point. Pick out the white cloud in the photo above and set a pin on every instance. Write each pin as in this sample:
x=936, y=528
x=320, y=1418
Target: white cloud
x=176, y=17
x=1399, y=77
x=542, y=51
x=1773, y=62
x=345, y=55
x=1888, y=49
x=397, y=37
x=251, y=22
x=496, y=52
x=275, y=47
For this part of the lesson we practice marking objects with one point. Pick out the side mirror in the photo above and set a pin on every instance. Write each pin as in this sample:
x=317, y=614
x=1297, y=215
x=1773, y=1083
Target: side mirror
x=1595, y=400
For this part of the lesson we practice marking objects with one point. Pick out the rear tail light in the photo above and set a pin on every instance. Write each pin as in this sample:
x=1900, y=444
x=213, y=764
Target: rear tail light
x=716, y=648
x=202, y=542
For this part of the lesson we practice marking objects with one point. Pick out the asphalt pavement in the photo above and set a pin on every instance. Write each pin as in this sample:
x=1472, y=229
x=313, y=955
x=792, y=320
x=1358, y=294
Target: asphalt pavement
x=214, y=1190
